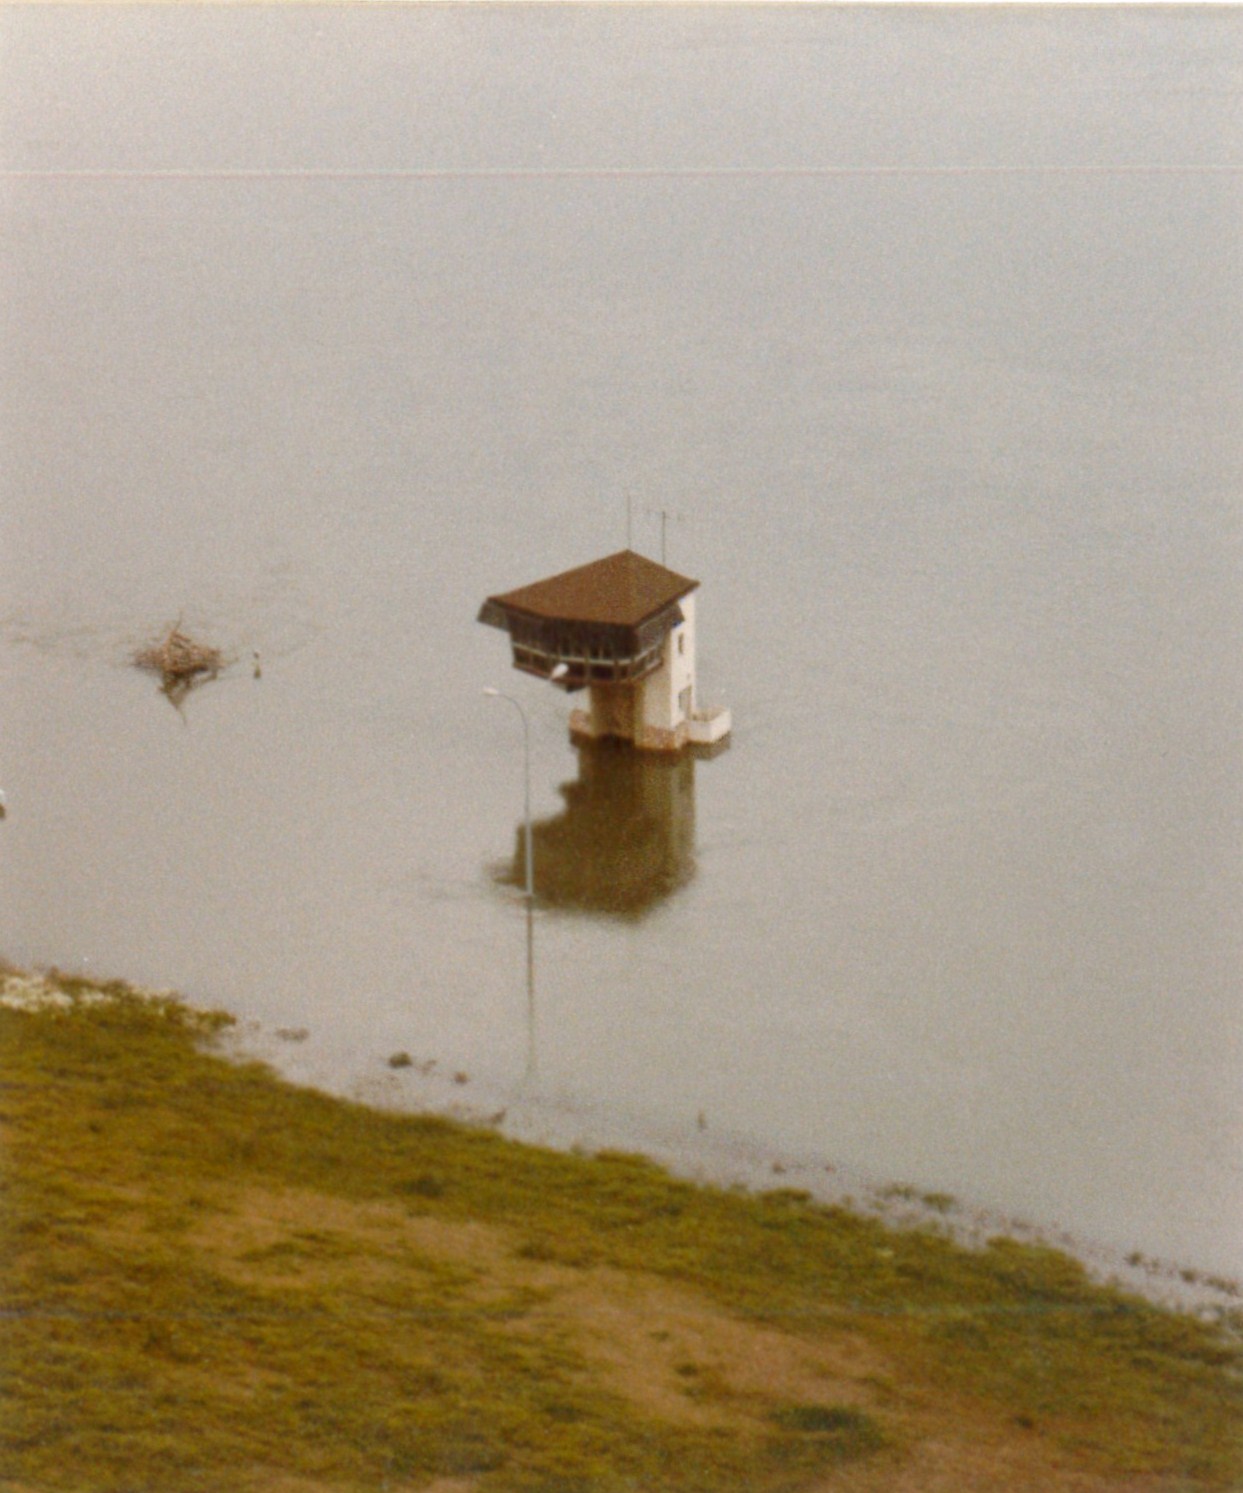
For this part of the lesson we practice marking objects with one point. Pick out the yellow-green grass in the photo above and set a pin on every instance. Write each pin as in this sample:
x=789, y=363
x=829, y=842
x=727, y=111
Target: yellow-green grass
x=215, y=1280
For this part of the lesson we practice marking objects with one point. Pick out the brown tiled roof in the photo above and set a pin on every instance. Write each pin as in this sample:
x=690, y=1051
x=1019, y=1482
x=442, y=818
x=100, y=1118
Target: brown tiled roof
x=622, y=589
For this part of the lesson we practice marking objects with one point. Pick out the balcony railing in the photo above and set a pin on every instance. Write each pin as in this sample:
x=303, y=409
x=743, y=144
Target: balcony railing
x=585, y=670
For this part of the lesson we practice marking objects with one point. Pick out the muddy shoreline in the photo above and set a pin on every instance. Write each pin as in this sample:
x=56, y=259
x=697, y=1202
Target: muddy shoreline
x=706, y=1151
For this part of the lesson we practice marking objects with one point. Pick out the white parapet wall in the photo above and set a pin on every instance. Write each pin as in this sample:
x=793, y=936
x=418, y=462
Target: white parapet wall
x=707, y=727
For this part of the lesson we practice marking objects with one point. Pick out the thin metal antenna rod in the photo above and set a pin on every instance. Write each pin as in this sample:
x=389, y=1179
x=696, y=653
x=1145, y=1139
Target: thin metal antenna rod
x=664, y=515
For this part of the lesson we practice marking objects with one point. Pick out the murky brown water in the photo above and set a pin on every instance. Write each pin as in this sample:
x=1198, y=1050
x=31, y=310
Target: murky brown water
x=956, y=458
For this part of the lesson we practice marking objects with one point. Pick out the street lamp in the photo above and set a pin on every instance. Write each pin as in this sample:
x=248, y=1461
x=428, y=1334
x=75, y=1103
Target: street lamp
x=559, y=672
x=497, y=694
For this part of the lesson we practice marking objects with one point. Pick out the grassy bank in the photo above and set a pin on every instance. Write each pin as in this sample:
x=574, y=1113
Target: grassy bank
x=213, y=1280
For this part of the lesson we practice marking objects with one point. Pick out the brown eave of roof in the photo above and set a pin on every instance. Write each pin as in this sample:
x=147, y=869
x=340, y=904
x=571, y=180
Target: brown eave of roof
x=623, y=589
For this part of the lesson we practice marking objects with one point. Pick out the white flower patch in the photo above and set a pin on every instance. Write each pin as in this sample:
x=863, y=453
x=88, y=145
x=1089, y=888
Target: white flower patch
x=30, y=993
x=21, y=992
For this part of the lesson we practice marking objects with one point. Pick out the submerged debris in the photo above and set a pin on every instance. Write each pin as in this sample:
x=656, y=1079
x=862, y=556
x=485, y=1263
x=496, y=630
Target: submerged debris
x=179, y=657
x=180, y=661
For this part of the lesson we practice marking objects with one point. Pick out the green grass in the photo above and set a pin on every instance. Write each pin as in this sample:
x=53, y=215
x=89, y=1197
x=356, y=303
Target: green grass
x=137, y=1354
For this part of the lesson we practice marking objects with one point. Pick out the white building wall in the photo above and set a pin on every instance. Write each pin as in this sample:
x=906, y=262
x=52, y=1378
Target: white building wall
x=668, y=695
x=682, y=651
x=655, y=713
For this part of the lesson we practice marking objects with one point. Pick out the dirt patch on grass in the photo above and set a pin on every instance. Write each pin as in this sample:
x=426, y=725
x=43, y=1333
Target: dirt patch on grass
x=254, y=1218
x=682, y=1358
x=674, y=1355
x=979, y=1458
x=277, y=1482
x=663, y=1346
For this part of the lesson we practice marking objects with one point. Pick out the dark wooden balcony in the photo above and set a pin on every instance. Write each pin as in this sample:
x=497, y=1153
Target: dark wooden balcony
x=590, y=668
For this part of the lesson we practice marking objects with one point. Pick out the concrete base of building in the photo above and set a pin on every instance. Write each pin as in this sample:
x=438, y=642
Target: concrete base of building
x=705, y=728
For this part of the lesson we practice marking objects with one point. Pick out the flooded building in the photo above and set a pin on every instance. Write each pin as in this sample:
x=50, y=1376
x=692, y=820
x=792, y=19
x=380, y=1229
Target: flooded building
x=622, y=628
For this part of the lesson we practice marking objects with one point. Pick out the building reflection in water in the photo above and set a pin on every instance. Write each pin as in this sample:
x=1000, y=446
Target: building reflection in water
x=625, y=839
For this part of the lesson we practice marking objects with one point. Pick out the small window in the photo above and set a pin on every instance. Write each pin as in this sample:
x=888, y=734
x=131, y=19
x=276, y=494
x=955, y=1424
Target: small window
x=681, y=642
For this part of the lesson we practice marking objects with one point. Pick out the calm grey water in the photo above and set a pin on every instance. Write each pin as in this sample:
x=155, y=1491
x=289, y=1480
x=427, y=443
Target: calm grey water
x=321, y=324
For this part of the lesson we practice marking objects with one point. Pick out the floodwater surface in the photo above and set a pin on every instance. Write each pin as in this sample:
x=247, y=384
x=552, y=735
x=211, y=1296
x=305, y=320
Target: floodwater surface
x=923, y=328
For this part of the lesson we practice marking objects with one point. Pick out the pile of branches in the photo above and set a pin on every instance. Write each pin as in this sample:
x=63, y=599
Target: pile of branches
x=179, y=659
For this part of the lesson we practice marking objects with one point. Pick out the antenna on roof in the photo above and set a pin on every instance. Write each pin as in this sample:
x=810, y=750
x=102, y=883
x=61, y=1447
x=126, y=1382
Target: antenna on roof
x=629, y=521
x=664, y=515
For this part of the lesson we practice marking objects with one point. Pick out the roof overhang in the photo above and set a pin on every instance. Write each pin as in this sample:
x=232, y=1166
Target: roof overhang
x=625, y=590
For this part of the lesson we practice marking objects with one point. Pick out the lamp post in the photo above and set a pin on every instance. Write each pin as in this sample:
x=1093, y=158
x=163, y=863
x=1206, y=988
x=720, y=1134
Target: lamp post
x=558, y=673
x=497, y=694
